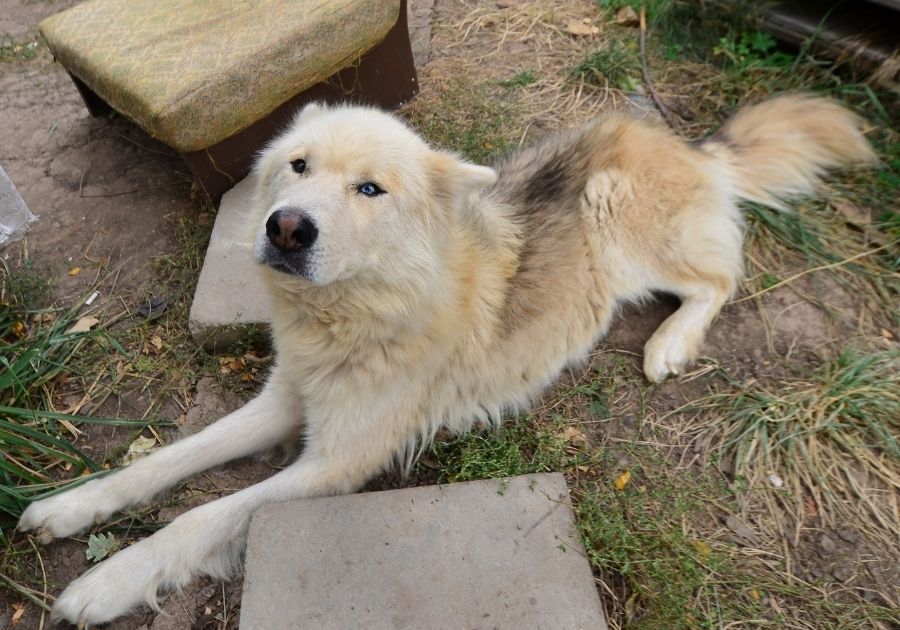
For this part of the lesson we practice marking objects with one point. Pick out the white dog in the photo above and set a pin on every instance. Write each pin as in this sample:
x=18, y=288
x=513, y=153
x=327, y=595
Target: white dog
x=412, y=291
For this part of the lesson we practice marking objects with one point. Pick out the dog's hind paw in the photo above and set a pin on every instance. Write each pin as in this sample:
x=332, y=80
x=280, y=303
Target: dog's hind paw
x=665, y=356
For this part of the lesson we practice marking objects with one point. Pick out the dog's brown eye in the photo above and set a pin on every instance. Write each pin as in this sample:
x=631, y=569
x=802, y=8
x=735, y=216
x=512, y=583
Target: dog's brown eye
x=298, y=165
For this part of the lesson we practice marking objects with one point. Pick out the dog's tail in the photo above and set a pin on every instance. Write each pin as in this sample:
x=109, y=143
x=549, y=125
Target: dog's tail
x=780, y=148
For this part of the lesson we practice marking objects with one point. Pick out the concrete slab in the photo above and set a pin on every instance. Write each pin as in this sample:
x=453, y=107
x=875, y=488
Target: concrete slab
x=484, y=554
x=14, y=214
x=229, y=298
x=419, y=14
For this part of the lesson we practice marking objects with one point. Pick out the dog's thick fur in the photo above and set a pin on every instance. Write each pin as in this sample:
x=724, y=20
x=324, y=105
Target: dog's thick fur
x=453, y=297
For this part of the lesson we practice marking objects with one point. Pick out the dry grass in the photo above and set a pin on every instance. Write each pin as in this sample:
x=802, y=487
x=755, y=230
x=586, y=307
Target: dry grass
x=826, y=443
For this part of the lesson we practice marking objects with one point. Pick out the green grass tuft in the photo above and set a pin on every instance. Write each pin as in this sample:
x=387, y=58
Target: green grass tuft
x=831, y=436
x=522, y=79
x=35, y=442
x=518, y=448
x=617, y=65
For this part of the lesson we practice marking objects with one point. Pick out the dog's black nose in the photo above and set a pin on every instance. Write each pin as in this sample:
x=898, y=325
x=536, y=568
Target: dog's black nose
x=289, y=231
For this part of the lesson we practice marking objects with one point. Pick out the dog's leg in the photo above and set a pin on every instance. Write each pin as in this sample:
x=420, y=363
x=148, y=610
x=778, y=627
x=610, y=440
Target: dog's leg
x=262, y=423
x=209, y=539
x=677, y=341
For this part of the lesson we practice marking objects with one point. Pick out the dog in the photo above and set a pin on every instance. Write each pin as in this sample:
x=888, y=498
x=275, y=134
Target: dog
x=412, y=291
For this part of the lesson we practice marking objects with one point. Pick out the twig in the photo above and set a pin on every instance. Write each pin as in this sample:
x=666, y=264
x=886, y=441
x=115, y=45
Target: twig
x=131, y=192
x=839, y=263
x=43, y=579
x=666, y=114
x=25, y=592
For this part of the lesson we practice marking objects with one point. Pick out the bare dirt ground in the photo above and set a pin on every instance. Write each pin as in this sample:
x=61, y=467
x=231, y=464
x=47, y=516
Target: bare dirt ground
x=121, y=207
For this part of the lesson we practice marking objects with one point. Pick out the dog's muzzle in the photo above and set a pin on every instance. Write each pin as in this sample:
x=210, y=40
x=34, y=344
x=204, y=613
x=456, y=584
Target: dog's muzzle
x=288, y=239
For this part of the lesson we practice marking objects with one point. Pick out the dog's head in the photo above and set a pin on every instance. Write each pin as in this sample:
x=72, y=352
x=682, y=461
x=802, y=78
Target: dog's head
x=347, y=192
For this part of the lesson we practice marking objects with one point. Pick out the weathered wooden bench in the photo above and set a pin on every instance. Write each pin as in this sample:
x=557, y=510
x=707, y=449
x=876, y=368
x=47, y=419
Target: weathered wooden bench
x=215, y=79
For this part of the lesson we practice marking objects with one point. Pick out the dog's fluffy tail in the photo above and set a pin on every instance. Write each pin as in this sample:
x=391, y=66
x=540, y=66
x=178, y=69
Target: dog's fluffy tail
x=780, y=148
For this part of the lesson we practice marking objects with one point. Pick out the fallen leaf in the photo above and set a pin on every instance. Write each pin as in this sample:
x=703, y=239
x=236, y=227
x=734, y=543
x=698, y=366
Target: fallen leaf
x=74, y=271
x=253, y=357
x=741, y=529
x=44, y=318
x=84, y=324
x=626, y=16
x=430, y=462
x=853, y=213
x=156, y=342
x=153, y=307
x=71, y=428
x=810, y=504
x=18, y=329
x=19, y=610
x=860, y=218
x=571, y=434
x=580, y=29
x=775, y=481
x=100, y=546
x=141, y=447
x=247, y=377
x=623, y=480
x=886, y=333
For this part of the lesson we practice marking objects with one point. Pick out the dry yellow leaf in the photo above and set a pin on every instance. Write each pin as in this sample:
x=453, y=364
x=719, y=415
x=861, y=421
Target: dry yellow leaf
x=141, y=447
x=571, y=434
x=580, y=29
x=626, y=16
x=74, y=271
x=83, y=324
x=19, y=611
x=18, y=329
x=623, y=480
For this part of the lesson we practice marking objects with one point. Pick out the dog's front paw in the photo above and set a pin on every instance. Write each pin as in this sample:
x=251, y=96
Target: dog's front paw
x=67, y=513
x=667, y=355
x=111, y=589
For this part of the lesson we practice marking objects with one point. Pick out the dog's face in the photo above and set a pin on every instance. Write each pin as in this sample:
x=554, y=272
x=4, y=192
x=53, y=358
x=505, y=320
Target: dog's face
x=350, y=191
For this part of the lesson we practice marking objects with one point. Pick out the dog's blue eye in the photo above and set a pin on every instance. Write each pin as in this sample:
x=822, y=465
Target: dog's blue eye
x=298, y=165
x=370, y=190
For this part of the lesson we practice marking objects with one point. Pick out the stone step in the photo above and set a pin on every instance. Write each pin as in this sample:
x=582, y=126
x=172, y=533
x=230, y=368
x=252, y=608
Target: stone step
x=229, y=299
x=484, y=554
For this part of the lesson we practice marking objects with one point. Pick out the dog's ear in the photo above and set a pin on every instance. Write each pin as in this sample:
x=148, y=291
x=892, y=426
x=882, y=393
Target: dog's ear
x=310, y=110
x=454, y=179
x=265, y=167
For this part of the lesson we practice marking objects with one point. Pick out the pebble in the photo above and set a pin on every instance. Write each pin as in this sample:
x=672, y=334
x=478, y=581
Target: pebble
x=827, y=544
x=842, y=573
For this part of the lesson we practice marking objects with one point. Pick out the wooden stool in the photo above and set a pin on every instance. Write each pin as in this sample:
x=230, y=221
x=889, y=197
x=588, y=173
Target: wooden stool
x=215, y=79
